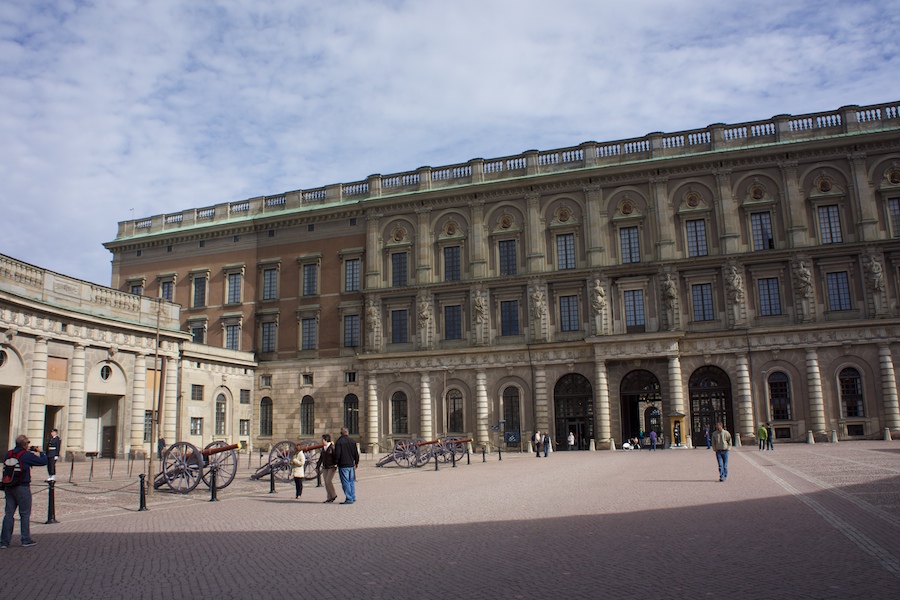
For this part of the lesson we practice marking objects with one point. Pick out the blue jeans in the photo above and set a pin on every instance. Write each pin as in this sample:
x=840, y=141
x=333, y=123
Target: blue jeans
x=722, y=459
x=348, y=483
x=17, y=497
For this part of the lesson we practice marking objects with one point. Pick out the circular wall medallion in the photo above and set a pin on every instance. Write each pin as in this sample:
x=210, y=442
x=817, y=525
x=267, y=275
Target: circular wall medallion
x=505, y=222
x=627, y=208
x=105, y=372
x=894, y=177
x=824, y=186
x=693, y=200
x=757, y=193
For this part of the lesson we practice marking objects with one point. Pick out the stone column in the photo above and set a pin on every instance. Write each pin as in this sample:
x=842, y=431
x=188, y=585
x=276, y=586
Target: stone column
x=795, y=209
x=38, y=398
x=373, y=254
x=541, y=409
x=478, y=248
x=170, y=404
x=665, y=224
x=814, y=383
x=676, y=386
x=535, y=245
x=864, y=204
x=727, y=213
x=426, y=425
x=889, y=387
x=602, y=413
x=372, y=413
x=77, y=401
x=745, y=397
x=481, y=408
x=139, y=402
x=596, y=220
x=424, y=255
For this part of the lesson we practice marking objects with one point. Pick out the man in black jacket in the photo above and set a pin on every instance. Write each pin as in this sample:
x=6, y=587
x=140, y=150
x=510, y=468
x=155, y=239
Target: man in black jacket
x=346, y=457
x=54, y=443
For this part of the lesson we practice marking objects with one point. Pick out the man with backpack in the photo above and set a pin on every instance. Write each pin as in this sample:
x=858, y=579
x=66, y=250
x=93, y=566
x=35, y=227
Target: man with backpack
x=16, y=482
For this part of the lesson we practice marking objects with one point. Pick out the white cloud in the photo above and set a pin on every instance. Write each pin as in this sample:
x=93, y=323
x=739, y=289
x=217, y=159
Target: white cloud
x=168, y=105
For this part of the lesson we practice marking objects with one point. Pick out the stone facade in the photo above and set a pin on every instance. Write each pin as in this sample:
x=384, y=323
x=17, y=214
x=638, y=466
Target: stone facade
x=746, y=273
x=80, y=358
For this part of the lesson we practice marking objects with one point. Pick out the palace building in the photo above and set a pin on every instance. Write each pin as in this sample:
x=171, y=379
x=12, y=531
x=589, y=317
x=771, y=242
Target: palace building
x=744, y=273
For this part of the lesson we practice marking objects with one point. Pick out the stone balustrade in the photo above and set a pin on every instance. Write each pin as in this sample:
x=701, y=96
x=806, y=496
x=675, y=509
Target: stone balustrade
x=716, y=137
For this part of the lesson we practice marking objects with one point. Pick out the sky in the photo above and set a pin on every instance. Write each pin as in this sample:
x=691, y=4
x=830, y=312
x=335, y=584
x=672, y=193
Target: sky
x=114, y=109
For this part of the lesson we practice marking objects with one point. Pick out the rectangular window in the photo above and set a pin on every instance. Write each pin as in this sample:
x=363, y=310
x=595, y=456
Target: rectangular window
x=565, y=251
x=838, y=290
x=270, y=284
x=398, y=269
x=245, y=396
x=196, y=426
x=894, y=213
x=265, y=380
x=148, y=425
x=509, y=317
x=167, y=290
x=631, y=248
x=696, y=237
x=244, y=427
x=310, y=273
x=453, y=322
x=349, y=376
x=508, y=262
x=199, y=291
x=198, y=333
x=399, y=326
x=761, y=227
x=634, y=310
x=308, y=334
x=137, y=289
x=451, y=263
x=306, y=378
x=830, y=224
x=197, y=393
x=351, y=331
x=769, y=297
x=351, y=275
x=234, y=288
x=568, y=313
x=221, y=410
x=703, y=302
x=233, y=337
x=268, y=337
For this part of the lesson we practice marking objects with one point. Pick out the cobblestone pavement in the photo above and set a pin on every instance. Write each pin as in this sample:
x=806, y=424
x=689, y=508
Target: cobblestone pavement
x=803, y=521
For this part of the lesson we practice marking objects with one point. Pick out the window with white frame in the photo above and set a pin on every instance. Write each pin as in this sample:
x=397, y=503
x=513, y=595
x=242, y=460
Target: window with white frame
x=630, y=243
x=696, y=237
x=199, y=286
x=196, y=392
x=830, y=224
x=234, y=278
x=565, y=251
x=265, y=417
x=838, y=289
x=769, y=296
x=702, y=301
x=221, y=412
x=352, y=274
x=634, y=310
x=310, y=279
x=167, y=289
x=198, y=330
x=308, y=337
x=270, y=283
x=351, y=331
x=196, y=426
x=568, y=313
x=269, y=336
x=244, y=427
x=232, y=327
x=761, y=230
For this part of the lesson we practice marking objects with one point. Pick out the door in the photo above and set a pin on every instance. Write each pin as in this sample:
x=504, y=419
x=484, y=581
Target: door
x=109, y=442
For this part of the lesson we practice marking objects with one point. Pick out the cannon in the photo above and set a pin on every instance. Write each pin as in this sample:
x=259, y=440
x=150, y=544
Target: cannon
x=280, y=460
x=184, y=466
x=416, y=452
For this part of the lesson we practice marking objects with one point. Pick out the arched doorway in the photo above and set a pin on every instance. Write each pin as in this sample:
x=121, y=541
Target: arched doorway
x=641, y=404
x=710, y=391
x=573, y=400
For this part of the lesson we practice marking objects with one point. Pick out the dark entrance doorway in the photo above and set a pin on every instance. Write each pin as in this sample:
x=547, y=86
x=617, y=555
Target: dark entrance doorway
x=573, y=400
x=640, y=397
x=6, y=395
x=51, y=418
x=109, y=442
x=710, y=391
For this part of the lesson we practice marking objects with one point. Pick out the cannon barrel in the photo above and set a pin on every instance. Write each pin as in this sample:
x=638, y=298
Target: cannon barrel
x=428, y=442
x=313, y=447
x=217, y=449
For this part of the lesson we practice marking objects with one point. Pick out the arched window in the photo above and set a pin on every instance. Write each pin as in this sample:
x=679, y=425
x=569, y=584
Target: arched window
x=351, y=414
x=399, y=416
x=307, y=416
x=780, y=396
x=455, y=411
x=265, y=416
x=221, y=408
x=511, y=409
x=851, y=393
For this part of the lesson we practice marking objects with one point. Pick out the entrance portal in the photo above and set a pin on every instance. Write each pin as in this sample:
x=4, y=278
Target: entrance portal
x=6, y=395
x=641, y=404
x=573, y=400
x=710, y=390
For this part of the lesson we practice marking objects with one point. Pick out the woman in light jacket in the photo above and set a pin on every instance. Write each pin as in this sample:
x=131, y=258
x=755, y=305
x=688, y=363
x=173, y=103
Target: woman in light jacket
x=298, y=462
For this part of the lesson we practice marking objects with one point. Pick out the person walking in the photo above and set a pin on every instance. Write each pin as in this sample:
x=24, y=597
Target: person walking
x=546, y=444
x=298, y=466
x=538, y=442
x=571, y=440
x=160, y=446
x=706, y=437
x=18, y=496
x=326, y=464
x=653, y=439
x=770, y=437
x=762, y=434
x=346, y=457
x=721, y=443
x=54, y=444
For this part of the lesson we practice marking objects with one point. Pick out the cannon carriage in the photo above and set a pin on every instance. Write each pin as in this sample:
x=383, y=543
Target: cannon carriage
x=280, y=460
x=184, y=466
x=417, y=452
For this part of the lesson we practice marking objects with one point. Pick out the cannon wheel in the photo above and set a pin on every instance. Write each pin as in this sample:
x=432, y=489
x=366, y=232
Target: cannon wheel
x=280, y=460
x=453, y=446
x=405, y=452
x=225, y=462
x=424, y=454
x=312, y=457
x=182, y=467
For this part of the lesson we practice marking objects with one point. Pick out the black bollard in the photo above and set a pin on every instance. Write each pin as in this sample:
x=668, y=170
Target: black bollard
x=71, y=470
x=272, y=481
x=318, y=478
x=51, y=504
x=483, y=454
x=468, y=456
x=91, y=472
x=436, y=462
x=112, y=466
x=453, y=458
x=500, y=452
x=212, y=485
x=143, y=501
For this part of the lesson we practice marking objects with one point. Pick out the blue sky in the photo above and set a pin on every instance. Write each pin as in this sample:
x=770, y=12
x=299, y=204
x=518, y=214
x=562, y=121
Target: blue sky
x=113, y=105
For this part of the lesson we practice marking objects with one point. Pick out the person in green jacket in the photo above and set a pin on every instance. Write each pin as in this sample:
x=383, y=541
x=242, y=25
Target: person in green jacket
x=762, y=435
